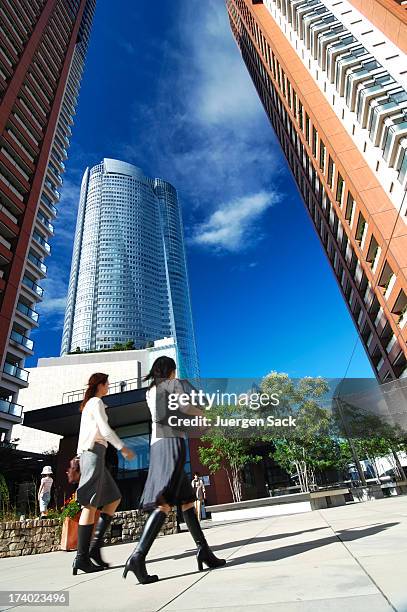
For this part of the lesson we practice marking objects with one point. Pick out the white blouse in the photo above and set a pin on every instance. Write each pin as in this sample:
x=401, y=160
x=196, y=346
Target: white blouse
x=95, y=427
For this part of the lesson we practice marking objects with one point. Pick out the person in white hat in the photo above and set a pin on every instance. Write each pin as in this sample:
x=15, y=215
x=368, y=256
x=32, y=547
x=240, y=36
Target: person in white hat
x=44, y=492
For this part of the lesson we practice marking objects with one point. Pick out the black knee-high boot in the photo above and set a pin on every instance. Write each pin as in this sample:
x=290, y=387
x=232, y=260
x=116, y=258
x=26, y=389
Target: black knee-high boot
x=204, y=553
x=82, y=560
x=136, y=563
x=101, y=527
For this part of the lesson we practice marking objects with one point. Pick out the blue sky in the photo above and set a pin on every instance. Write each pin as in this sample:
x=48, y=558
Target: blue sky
x=165, y=88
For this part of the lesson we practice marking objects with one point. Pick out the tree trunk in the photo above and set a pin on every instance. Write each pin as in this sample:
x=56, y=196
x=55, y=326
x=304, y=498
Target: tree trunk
x=301, y=468
x=374, y=466
x=398, y=464
x=237, y=484
x=230, y=483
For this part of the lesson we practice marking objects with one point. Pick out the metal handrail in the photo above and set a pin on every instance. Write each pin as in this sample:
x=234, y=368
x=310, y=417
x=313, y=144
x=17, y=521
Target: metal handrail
x=114, y=387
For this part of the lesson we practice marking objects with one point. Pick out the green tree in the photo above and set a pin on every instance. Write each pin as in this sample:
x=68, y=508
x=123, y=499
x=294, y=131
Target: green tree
x=123, y=346
x=4, y=497
x=226, y=449
x=310, y=446
x=230, y=455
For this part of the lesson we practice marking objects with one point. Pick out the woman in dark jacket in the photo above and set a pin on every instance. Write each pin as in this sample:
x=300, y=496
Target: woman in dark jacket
x=167, y=484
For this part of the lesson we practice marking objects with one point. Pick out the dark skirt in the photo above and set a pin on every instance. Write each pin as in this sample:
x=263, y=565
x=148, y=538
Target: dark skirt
x=167, y=482
x=96, y=485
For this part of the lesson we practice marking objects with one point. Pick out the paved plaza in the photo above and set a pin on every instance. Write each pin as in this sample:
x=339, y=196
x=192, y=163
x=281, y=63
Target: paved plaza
x=351, y=558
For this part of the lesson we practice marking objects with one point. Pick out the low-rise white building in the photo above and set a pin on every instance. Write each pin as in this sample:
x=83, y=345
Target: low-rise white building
x=58, y=380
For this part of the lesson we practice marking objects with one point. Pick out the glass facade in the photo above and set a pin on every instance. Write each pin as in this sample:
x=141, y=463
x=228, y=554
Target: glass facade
x=128, y=278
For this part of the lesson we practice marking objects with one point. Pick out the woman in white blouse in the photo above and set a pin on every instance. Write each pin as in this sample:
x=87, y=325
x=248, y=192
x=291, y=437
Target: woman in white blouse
x=96, y=486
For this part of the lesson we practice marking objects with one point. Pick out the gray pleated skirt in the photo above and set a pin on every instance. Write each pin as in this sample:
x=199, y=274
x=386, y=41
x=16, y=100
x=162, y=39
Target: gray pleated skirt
x=96, y=485
x=167, y=482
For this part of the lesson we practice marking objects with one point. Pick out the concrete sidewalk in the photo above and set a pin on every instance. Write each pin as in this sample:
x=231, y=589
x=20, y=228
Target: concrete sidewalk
x=352, y=557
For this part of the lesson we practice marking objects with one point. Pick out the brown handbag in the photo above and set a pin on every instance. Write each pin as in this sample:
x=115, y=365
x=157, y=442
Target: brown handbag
x=74, y=471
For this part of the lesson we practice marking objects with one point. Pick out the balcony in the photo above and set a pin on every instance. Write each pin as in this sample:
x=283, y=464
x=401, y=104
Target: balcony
x=28, y=312
x=55, y=174
x=40, y=265
x=33, y=286
x=22, y=340
x=16, y=372
x=47, y=202
x=11, y=408
x=42, y=242
x=45, y=222
x=58, y=161
x=52, y=189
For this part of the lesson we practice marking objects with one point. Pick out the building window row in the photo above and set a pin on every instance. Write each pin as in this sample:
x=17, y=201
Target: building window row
x=368, y=89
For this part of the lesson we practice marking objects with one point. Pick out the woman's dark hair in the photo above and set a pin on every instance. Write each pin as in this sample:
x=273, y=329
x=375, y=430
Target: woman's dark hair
x=196, y=474
x=161, y=368
x=94, y=381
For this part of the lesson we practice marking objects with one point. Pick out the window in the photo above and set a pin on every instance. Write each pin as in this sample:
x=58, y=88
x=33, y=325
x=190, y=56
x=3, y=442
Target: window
x=314, y=141
x=331, y=172
x=308, y=130
x=373, y=251
x=300, y=117
x=283, y=83
x=350, y=204
x=322, y=156
x=340, y=187
x=360, y=228
x=387, y=277
x=289, y=93
x=402, y=166
x=400, y=308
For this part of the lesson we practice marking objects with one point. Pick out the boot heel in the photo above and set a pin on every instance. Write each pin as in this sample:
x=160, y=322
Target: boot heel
x=200, y=565
x=125, y=571
x=74, y=571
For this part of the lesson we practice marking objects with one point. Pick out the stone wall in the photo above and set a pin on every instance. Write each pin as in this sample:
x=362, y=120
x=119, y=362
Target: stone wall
x=127, y=525
x=29, y=537
x=34, y=536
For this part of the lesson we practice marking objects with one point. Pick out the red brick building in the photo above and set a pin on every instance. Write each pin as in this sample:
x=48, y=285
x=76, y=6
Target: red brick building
x=42, y=51
x=333, y=81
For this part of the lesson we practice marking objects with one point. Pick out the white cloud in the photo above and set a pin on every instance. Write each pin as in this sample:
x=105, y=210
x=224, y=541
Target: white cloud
x=231, y=226
x=206, y=130
x=55, y=290
x=53, y=305
x=223, y=91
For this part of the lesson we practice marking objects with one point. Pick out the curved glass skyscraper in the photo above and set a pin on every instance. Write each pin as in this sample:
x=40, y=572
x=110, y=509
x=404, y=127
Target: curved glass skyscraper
x=128, y=278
